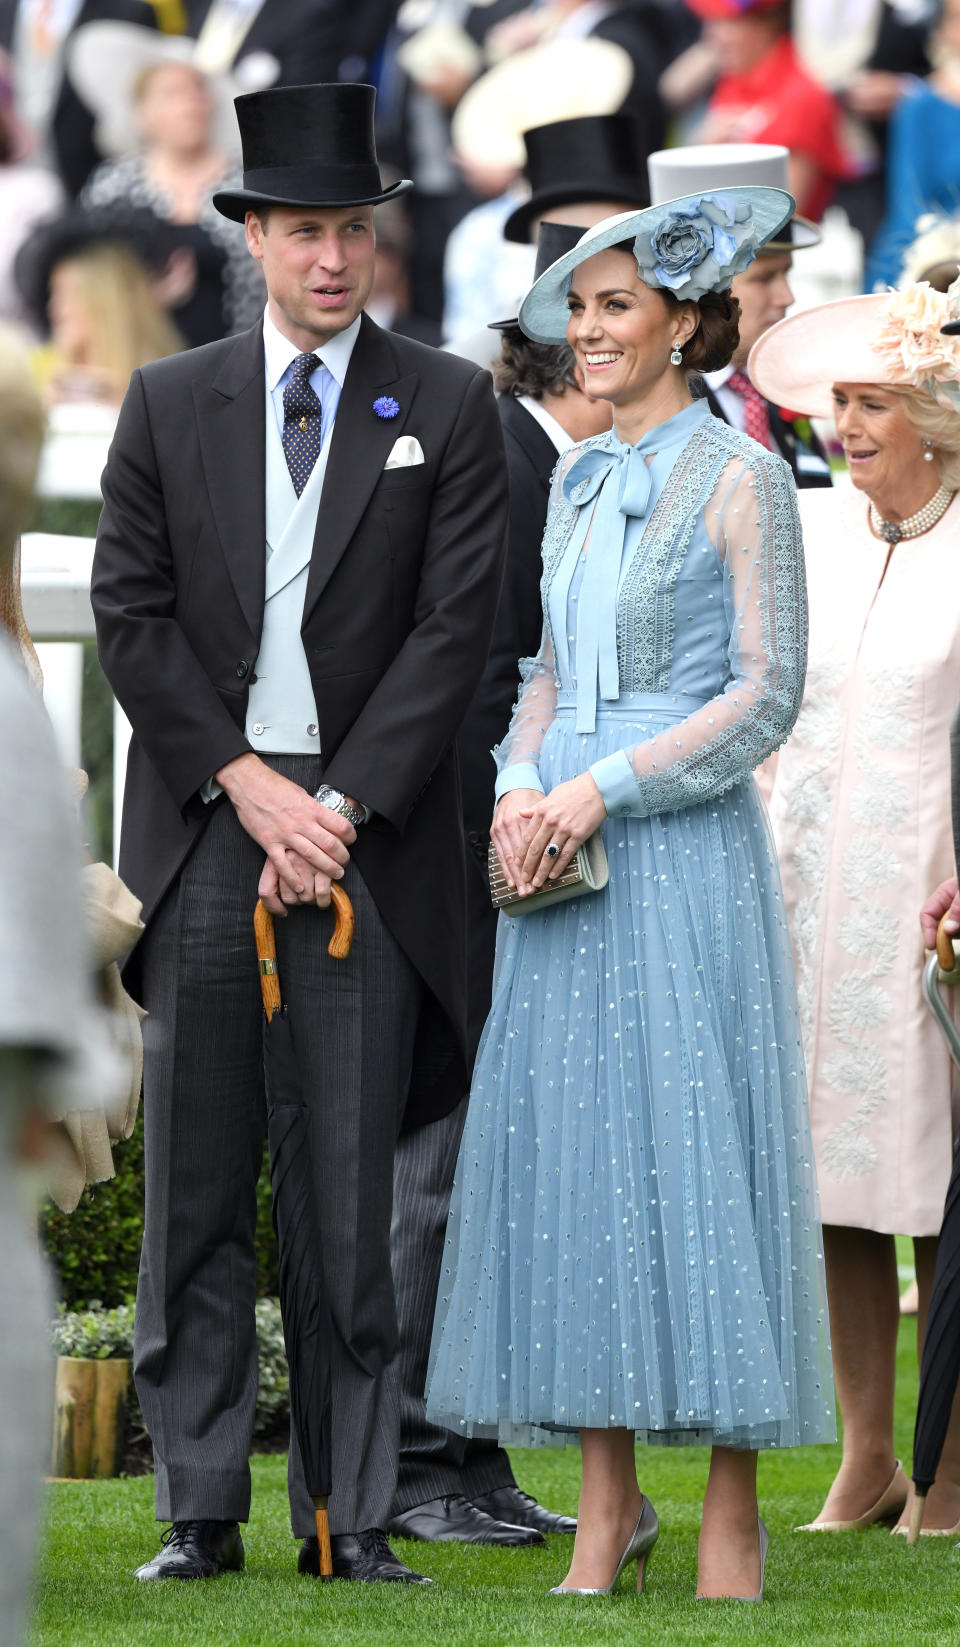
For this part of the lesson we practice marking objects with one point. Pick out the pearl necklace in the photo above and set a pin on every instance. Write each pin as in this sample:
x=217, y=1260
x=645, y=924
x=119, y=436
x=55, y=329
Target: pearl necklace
x=892, y=531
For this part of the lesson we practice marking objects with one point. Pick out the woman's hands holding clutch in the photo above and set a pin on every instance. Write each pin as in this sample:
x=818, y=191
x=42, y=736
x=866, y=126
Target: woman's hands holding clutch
x=526, y=824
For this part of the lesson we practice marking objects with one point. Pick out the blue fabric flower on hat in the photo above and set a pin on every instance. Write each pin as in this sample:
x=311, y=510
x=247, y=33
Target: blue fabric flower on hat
x=698, y=249
x=386, y=407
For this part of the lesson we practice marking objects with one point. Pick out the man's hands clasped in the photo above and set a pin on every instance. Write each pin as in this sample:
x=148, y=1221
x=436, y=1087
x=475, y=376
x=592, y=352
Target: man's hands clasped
x=306, y=844
x=526, y=824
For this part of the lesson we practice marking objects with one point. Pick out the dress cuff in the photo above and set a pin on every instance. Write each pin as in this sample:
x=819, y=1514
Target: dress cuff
x=617, y=782
x=209, y=791
x=521, y=775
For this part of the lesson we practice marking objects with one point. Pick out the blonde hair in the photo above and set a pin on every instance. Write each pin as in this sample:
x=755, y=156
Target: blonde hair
x=141, y=81
x=22, y=426
x=938, y=424
x=128, y=325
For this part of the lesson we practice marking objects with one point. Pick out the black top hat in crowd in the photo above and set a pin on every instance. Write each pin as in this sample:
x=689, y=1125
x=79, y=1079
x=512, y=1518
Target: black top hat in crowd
x=307, y=146
x=596, y=157
x=554, y=240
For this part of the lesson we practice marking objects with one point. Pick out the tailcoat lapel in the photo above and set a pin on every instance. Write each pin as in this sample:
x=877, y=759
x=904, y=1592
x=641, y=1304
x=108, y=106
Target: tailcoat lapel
x=360, y=445
x=232, y=432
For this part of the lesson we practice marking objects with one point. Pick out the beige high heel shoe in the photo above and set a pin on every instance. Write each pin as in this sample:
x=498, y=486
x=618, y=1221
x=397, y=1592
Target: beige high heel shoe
x=642, y=1540
x=763, y=1538
x=888, y=1506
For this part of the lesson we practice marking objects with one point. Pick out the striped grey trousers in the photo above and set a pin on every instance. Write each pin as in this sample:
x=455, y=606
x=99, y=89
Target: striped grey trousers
x=195, y=1359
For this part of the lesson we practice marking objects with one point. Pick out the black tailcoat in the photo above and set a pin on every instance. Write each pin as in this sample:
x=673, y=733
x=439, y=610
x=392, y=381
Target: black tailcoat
x=401, y=595
x=531, y=457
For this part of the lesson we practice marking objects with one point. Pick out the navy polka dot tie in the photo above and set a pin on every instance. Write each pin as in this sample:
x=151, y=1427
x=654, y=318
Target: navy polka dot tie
x=302, y=434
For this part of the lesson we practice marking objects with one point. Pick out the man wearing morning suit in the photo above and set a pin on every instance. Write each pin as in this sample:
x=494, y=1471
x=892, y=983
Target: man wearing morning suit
x=295, y=581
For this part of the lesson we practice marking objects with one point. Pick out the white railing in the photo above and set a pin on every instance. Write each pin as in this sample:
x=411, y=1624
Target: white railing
x=55, y=584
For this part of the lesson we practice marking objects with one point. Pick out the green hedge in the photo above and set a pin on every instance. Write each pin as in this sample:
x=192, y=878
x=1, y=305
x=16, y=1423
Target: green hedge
x=95, y=1251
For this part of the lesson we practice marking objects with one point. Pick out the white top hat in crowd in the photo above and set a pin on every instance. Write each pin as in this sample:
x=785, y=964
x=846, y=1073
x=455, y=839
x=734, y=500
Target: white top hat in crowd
x=104, y=62
x=705, y=166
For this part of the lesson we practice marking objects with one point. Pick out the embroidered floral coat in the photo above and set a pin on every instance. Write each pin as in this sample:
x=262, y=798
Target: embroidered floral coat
x=861, y=814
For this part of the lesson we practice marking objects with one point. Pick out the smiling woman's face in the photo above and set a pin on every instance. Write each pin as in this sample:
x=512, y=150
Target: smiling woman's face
x=621, y=330
x=883, y=450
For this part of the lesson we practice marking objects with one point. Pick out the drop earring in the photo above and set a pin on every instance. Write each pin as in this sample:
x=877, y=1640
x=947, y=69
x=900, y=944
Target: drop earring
x=928, y=451
x=676, y=356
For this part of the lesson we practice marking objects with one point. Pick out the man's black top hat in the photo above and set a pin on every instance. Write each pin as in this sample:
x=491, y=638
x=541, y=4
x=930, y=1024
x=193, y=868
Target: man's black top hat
x=554, y=240
x=307, y=146
x=597, y=157
x=148, y=238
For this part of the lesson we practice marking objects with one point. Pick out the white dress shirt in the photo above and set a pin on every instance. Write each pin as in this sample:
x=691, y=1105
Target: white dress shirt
x=551, y=428
x=734, y=409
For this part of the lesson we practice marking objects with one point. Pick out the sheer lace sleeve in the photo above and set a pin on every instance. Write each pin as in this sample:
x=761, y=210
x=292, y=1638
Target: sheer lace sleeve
x=758, y=539
x=518, y=757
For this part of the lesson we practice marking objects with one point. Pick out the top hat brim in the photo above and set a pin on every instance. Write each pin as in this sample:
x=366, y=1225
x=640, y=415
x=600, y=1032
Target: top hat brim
x=627, y=191
x=236, y=203
x=794, y=236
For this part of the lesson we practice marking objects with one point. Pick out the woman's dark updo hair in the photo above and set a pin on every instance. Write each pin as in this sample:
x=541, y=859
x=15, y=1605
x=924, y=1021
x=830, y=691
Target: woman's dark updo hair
x=715, y=340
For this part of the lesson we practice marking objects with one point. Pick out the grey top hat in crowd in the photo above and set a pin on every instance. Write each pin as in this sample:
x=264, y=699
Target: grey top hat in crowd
x=714, y=166
x=689, y=246
x=553, y=240
x=309, y=146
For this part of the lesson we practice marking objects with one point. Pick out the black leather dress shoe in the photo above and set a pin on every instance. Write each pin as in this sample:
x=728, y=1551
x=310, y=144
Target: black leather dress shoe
x=196, y=1549
x=520, y=1510
x=365, y=1556
x=454, y=1520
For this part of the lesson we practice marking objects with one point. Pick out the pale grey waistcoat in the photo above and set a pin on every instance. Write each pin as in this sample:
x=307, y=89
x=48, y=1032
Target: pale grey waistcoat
x=281, y=709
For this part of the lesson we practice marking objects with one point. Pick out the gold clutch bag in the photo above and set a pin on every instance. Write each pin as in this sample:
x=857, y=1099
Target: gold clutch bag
x=587, y=871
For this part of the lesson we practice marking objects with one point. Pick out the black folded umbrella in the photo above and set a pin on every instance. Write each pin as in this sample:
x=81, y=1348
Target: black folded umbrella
x=940, y=1366
x=303, y=1300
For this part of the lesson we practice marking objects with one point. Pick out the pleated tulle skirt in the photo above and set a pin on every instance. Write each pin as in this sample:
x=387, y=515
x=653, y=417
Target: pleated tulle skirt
x=634, y=1237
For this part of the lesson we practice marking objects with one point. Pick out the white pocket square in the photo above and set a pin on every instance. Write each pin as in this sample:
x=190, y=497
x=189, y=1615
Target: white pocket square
x=406, y=451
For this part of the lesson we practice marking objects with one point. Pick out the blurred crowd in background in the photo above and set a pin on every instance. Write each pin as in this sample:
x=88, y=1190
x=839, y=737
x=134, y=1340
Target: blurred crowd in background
x=116, y=125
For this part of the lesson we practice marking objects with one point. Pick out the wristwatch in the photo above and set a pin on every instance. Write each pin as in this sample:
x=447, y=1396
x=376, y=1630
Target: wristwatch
x=337, y=802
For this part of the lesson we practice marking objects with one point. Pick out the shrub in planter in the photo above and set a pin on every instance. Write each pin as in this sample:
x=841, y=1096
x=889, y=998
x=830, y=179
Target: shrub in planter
x=98, y=1334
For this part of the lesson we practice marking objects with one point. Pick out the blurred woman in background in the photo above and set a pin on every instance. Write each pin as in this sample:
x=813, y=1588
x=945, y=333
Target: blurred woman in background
x=172, y=130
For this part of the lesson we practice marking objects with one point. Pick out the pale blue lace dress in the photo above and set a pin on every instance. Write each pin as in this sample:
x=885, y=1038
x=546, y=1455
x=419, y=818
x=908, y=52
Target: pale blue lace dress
x=634, y=1238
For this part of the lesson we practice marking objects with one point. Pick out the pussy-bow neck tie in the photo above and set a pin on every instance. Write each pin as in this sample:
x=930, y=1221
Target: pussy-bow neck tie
x=618, y=477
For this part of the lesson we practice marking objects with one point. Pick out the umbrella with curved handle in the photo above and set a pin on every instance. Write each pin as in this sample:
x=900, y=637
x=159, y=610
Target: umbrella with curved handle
x=940, y=1367
x=307, y=1327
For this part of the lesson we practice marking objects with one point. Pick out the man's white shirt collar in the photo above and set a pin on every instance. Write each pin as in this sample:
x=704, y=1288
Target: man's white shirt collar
x=554, y=430
x=717, y=380
x=279, y=352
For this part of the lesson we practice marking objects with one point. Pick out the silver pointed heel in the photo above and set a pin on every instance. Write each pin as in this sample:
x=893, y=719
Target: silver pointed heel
x=763, y=1538
x=642, y=1540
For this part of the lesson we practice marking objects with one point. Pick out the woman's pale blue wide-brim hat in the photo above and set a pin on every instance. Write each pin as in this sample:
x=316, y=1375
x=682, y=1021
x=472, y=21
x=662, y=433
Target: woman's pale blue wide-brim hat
x=689, y=246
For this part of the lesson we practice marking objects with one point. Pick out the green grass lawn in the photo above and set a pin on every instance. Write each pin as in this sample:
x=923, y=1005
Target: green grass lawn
x=865, y=1588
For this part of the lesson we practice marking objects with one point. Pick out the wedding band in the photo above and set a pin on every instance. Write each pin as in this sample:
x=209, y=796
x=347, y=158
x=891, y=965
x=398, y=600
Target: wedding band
x=553, y=851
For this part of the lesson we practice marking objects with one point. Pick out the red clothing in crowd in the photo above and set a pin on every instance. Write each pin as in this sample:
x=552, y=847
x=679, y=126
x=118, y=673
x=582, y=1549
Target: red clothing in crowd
x=777, y=101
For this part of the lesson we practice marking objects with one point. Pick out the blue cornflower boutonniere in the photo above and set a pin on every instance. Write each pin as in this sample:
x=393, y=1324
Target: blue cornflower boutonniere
x=386, y=407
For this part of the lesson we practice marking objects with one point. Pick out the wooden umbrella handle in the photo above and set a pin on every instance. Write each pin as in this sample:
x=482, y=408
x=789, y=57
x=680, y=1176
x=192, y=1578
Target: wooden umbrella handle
x=946, y=957
x=265, y=934
x=267, y=957
x=339, y=945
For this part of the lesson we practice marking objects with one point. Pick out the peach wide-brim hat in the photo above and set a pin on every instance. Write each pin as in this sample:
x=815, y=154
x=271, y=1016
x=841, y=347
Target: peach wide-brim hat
x=797, y=362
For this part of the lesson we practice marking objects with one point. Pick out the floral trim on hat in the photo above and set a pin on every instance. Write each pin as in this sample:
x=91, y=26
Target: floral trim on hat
x=911, y=344
x=698, y=249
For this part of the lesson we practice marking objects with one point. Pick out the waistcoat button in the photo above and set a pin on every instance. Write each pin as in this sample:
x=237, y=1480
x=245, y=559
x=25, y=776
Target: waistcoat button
x=242, y=668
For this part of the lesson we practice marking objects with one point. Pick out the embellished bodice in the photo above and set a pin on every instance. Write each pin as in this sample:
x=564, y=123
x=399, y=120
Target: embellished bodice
x=671, y=567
